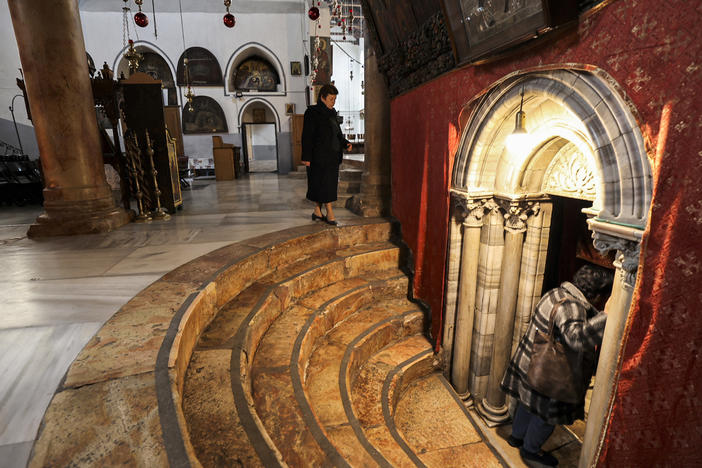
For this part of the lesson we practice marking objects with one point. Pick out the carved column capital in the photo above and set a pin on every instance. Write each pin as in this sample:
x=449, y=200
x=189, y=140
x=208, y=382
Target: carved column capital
x=627, y=259
x=471, y=211
x=475, y=211
x=516, y=213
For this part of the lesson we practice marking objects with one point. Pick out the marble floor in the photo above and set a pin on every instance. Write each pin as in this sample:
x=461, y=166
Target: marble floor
x=61, y=290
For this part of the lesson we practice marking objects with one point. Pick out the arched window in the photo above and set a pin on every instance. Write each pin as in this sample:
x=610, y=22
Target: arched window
x=203, y=68
x=256, y=74
x=206, y=116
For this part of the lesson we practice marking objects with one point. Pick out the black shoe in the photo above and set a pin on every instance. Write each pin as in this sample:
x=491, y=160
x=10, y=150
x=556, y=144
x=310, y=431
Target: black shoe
x=318, y=218
x=331, y=221
x=542, y=457
x=514, y=442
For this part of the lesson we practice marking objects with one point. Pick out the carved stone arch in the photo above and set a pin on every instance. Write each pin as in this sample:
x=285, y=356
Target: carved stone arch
x=587, y=104
x=584, y=142
x=203, y=68
x=246, y=51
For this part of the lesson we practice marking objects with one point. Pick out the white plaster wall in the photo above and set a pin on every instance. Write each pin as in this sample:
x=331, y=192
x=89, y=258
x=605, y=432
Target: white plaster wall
x=282, y=34
x=286, y=35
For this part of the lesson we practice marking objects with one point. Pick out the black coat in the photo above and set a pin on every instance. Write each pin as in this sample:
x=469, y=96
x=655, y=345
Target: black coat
x=322, y=139
x=322, y=146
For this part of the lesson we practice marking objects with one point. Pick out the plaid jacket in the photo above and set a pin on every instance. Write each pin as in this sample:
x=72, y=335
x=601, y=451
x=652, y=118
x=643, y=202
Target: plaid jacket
x=576, y=329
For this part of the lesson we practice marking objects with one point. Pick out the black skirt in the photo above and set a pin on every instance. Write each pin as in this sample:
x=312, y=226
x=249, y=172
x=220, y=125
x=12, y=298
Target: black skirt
x=322, y=182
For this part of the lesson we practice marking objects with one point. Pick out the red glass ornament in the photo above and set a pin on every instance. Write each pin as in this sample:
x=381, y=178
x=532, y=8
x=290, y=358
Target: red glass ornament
x=229, y=20
x=313, y=13
x=141, y=19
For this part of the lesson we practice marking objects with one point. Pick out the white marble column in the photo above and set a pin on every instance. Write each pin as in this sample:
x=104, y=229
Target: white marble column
x=493, y=406
x=617, y=309
x=453, y=265
x=473, y=223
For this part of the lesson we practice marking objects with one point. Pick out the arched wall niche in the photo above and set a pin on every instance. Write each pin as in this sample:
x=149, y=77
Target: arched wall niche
x=246, y=51
x=206, y=117
x=156, y=64
x=583, y=142
x=203, y=68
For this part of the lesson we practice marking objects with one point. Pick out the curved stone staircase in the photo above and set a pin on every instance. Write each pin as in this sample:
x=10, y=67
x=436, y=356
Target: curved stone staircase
x=302, y=351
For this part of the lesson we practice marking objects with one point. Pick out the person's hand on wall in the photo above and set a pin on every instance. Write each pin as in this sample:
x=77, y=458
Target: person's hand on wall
x=306, y=163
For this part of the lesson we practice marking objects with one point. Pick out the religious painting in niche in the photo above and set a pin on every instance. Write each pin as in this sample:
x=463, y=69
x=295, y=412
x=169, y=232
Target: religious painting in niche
x=490, y=26
x=207, y=117
x=295, y=68
x=203, y=68
x=259, y=115
x=256, y=74
x=322, y=51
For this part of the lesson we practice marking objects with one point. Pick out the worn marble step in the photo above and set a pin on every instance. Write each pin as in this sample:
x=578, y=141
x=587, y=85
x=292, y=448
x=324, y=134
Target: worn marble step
x=373, y=392
x=436, y=427
x=276, y=398
x=218, y=395
x=338, y=353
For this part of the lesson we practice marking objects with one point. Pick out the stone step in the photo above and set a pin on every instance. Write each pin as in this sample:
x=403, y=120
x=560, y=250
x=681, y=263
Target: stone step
x=436, y=427
x=218, y=383
x=373, y=395
x=277, y=398
x=350, y=175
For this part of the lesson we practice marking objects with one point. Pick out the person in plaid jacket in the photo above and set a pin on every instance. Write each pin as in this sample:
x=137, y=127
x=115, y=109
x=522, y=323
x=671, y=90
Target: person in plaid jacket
x=580, y=325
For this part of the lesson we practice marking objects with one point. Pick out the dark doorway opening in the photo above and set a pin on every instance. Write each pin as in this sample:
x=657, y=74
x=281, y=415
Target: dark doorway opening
x=570, y=242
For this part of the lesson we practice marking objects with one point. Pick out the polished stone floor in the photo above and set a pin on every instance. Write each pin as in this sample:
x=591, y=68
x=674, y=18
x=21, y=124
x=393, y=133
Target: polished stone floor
x=61, y=290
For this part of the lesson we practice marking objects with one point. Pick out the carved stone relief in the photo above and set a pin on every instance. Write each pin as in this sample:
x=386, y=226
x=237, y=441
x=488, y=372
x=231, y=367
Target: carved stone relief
x=571, y=174
x=627, y=254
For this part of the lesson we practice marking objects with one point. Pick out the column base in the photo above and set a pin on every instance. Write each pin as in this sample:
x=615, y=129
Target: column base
x=493, y=416
x=467, y=399
x=368, y=207
x=91, y=223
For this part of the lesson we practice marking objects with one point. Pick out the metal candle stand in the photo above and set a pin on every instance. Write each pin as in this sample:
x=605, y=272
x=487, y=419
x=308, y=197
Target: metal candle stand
x=135, y=169
x=159, y=212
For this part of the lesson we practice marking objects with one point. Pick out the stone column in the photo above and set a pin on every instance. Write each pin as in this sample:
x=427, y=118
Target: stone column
x=493, y=406
x=453, y=265
x=463, y=338
x=617, y=309
x=77, y=198
x=374, y=199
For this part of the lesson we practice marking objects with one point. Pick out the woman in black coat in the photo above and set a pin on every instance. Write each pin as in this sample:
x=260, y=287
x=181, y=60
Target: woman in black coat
x=322, y=145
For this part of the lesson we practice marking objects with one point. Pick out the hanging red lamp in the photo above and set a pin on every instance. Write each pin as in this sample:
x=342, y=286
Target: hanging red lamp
x=229, y=20
x=140, y=17
x=313, y=13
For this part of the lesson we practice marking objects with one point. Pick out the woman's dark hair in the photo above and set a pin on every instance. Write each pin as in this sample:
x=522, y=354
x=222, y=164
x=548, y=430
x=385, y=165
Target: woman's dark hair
x=593, y=280
x=326, y=90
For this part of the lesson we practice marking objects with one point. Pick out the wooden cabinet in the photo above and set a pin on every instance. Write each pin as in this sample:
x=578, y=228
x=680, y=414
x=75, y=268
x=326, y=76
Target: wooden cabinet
x=142, y=111
x=296, y=121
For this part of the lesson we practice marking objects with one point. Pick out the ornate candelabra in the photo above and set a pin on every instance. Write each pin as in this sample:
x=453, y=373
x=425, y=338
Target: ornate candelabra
x=132, y=146
x=159, y=212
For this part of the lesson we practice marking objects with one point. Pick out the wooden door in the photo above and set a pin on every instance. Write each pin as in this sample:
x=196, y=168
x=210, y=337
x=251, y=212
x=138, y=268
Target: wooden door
x=296, y=121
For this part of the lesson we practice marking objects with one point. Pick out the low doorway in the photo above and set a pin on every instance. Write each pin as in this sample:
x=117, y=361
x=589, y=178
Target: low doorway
x=261, y=147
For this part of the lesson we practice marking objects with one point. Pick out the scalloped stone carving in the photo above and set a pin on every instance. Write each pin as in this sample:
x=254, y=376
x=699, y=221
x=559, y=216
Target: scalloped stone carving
x=571, y=174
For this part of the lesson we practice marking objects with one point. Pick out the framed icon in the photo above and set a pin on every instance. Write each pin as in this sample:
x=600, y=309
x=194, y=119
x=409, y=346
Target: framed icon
x=290, y=108
x=295, y=68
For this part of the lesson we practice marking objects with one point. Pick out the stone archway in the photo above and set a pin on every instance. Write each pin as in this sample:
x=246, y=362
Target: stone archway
x=584, y=142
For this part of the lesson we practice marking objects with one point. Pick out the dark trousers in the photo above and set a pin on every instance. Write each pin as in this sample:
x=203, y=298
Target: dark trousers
x=531, y=428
